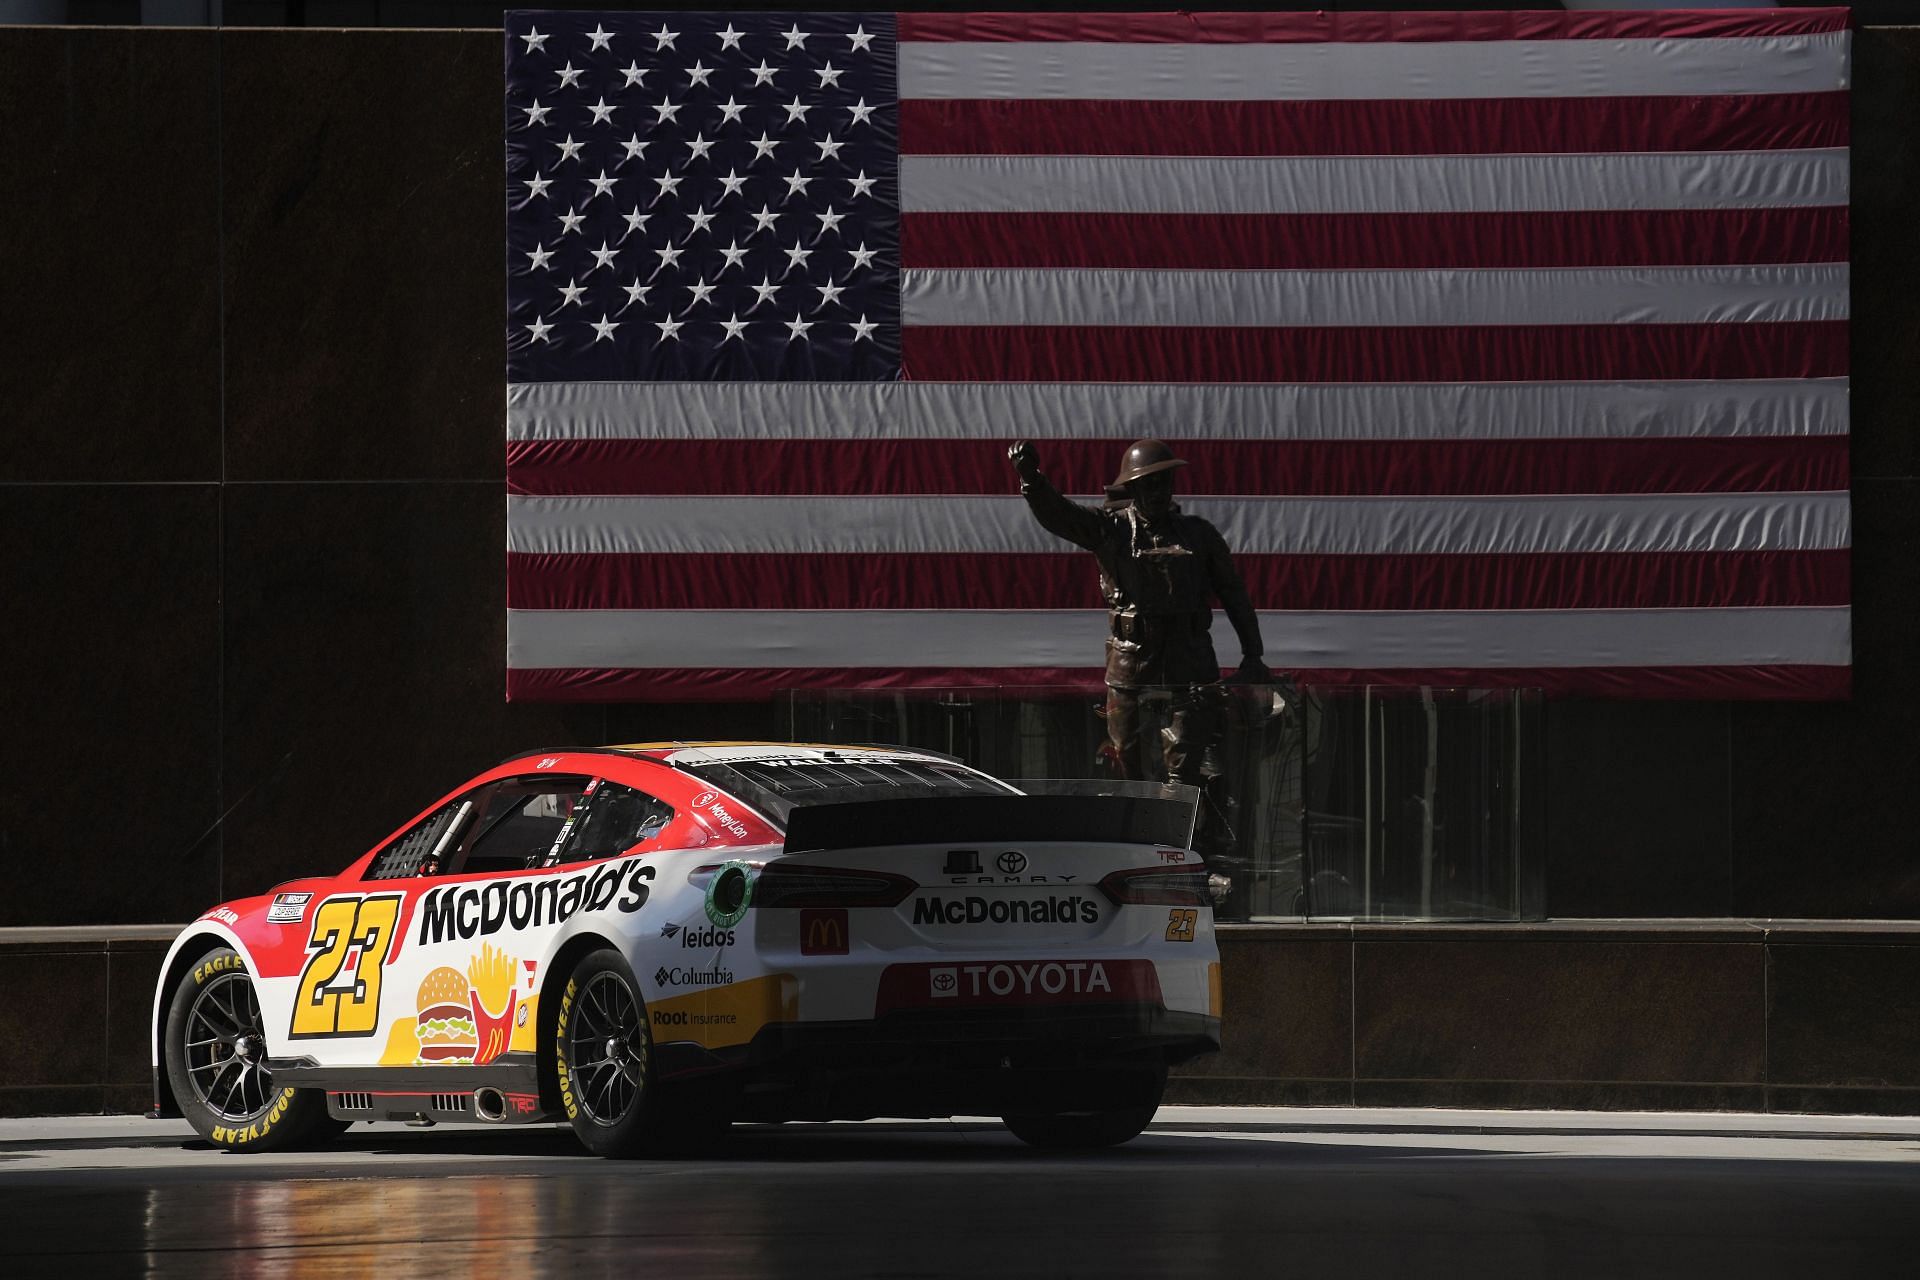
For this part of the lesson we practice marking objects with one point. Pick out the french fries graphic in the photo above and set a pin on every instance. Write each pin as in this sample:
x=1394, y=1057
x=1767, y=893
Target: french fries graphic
x=492, y=975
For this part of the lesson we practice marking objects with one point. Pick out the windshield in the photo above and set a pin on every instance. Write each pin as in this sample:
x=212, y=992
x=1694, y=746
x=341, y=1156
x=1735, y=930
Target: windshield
x=777, y=787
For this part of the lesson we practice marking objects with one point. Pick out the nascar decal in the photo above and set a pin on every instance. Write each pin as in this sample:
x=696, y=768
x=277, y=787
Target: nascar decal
x=465, y=911
x=467, y=1017
x=288, y=908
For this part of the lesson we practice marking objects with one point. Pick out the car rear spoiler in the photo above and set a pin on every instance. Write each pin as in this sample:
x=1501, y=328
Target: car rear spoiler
x=980, y=819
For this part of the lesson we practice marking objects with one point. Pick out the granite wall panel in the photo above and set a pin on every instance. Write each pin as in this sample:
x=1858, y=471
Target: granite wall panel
x=1287, y=1022
x=1483, y=1011
x=110, y=741
x=365, y=239
x=1844, y=1015
x=53, y=1044
x=365, y=672
x=1886, y=190
x=109, y=237
x=1636, y=809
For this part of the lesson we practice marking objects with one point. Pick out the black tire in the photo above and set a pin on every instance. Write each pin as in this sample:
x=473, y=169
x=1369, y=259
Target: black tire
x=1087, y=1130
x=603, y=1055
x=215, y=1052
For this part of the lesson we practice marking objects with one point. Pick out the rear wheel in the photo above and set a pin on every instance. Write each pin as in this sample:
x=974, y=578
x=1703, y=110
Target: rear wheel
x=216, y=1054
x=1106, y=1126
x=603, y=1051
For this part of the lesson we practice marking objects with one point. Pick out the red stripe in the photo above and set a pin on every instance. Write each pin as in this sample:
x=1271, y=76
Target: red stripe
x=1296, y=28
x=1434, y=353
x=1354, y=241
x=728, y=684
x=1625, y=580
x=1792, y=464
x=1389, y=127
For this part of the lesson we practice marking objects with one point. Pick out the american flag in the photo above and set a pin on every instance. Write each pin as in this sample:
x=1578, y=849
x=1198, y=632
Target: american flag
x=1506, y=348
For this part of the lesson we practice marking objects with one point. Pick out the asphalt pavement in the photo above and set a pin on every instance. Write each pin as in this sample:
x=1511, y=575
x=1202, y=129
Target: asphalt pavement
x=1206, y=1191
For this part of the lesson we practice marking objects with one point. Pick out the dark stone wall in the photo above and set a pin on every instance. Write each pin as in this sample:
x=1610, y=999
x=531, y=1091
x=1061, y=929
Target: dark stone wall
x=252, y=517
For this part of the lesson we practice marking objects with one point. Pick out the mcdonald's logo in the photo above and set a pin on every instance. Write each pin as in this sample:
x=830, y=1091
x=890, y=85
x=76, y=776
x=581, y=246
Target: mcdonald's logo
x=823, y=931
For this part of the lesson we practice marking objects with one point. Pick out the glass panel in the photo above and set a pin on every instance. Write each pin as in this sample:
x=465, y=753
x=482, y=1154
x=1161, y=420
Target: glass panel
x=1371, y=803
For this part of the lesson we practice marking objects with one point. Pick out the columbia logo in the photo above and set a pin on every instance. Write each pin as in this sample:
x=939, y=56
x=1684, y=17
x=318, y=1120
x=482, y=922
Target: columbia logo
x=661, y=975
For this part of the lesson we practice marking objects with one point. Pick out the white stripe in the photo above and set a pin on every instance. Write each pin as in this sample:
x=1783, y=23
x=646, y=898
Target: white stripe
x=1572, y=295
x=1073, y=638
x=990, y=411
x=1316, y=526
x=1372, y=184
x=1374, y=69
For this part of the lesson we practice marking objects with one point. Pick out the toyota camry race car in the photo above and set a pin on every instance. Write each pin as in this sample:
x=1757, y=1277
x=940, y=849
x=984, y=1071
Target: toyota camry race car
x=656, y=941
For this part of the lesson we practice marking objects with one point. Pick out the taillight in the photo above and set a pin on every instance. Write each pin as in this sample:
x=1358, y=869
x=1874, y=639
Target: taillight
x=792, y=884
x=1162, y=886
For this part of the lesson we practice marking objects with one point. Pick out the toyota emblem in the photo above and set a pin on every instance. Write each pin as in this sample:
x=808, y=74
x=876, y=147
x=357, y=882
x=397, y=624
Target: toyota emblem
x=1012, y=862
x=943, y=982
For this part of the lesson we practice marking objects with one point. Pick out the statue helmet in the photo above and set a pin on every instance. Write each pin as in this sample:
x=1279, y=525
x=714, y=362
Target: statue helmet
x=1145, y=458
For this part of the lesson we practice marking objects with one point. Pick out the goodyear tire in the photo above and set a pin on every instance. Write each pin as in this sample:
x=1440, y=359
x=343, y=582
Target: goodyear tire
x=216, y=1052
x=1104, y=1127
x=603, y=1054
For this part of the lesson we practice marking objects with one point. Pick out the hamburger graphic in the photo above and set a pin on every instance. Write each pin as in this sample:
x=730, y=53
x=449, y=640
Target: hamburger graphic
x=446, y=1028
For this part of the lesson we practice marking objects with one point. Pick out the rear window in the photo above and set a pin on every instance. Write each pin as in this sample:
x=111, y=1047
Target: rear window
x=778, y=787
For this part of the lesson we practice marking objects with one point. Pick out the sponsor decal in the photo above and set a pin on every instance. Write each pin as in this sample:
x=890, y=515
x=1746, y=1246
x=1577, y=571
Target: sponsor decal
x=823, y=931
x=710, y=804
x=1018, y=982
x=224, y=916
x=714, y=976
x=472, y=1016
x=961, y=862
x=288, y=908
x=973, y=909
x=465, y=911
x=669, y=1018
x=548, y=762
x=693, y=939
x=1011, y=863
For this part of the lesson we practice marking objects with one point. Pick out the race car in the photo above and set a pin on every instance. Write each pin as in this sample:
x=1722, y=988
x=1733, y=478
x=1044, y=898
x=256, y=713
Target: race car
x=655, y=941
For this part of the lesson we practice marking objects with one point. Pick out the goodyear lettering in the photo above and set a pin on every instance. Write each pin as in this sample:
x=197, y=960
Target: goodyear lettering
x=560, y=1059
x=464, y=911
x=1072, y=909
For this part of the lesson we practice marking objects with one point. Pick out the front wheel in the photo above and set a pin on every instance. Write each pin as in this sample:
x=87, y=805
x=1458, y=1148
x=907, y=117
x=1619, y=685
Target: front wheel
x=216, y=1054
x=1106, y=1126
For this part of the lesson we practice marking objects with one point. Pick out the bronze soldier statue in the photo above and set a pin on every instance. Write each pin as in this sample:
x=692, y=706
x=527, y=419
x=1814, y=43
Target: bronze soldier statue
x=1160, y=571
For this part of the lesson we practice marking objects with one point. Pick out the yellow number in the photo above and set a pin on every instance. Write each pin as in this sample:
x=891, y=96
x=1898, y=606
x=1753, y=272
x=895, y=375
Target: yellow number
x=339, y=926
x=1180, y=923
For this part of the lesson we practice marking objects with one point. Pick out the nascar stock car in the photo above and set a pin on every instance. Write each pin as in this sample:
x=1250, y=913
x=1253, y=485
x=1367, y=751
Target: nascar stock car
x=656, y=941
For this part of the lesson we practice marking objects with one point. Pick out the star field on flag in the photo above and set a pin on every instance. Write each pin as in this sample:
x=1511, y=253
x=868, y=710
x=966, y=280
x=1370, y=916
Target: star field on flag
x=702, y=196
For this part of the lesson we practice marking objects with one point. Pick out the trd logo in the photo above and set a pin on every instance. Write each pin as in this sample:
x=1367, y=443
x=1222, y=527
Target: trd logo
x=823, y=931
x=673, y=1018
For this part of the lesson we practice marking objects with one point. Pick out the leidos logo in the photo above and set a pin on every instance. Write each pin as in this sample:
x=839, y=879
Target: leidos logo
x=823, y=931
x=1072, y=909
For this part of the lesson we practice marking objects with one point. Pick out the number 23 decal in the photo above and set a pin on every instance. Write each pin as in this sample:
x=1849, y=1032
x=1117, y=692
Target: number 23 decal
x=333, y=1001
x=1180, y=924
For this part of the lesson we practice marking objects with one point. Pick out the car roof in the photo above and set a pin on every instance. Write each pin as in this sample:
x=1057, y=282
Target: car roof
x=718, y=751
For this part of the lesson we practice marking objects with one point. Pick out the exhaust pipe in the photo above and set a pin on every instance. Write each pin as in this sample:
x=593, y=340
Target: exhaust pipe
x=489, y=1104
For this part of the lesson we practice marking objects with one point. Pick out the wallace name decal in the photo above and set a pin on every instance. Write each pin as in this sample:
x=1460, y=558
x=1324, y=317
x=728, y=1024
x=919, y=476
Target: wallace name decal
x=473, y=910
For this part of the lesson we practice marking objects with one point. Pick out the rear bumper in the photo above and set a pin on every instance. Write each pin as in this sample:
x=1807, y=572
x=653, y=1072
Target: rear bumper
x=959, y=1040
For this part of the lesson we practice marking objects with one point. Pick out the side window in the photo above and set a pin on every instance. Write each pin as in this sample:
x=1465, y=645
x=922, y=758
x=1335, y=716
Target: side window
x=422, y=849
x=526, y=822
x=617, y=818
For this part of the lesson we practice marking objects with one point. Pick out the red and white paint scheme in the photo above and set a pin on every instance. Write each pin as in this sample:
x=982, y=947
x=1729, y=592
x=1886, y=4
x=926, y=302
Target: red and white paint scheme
x=657, y=940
